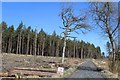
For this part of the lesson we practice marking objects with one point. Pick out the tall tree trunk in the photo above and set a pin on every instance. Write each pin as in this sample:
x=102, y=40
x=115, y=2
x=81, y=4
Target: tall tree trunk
x=6, y=46
x=23, y=46
x=78, y=53
x=74, y=48
x=63, y=55
x=31, y=48
x=113, y=48
x=9, y=46
x=43, y=45
x=20, y=44
x=68, y=52
x=38, y=50
x=35, y=43
x=17, y=44
x=84, y=55
x=28, y=44
x=74, y=51
x=40, y=46
x=65, y=34
x=81, y=53
x=111, y=41
x=50, y=48
x=53, y=48
x=2, y=46
x=57, y=49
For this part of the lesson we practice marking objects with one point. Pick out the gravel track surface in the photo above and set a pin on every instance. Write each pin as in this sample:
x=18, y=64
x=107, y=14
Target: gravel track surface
x=87, y=70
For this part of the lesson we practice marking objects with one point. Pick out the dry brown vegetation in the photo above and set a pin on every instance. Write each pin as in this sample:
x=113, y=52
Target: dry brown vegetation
x=13, y=63
x=112, y=70
x=114, y=66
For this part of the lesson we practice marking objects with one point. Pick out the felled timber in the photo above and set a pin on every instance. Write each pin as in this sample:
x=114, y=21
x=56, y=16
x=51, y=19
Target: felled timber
x=37, y=69
x=32, y=71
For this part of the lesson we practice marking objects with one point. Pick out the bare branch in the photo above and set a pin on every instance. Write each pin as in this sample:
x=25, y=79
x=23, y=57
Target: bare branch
x=116, y=26
x=71, y=23
x=101, y=13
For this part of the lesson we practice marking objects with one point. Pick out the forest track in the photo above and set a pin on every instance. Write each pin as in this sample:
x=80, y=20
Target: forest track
x=88, y=70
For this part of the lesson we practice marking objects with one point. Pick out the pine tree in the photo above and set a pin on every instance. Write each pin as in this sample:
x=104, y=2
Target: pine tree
x=10, y=34
x=28, y=40
x=4, y=37
x=19, y=32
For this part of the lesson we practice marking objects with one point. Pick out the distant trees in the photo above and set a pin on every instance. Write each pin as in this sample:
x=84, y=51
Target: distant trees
x=107, y=18
x=4, y=38
x=46, y=45
x=28, y=39
x=18, y=35
x=108, y=47
x=0, y=38
x=71, y=23
x=10, y=38
x=35, y=42
x=41, y=39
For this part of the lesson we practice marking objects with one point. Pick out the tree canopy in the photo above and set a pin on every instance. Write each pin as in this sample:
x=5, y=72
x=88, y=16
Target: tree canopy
x=21, y=41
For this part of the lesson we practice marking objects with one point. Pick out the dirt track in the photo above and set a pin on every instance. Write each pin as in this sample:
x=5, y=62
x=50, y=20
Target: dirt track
x=88, y=70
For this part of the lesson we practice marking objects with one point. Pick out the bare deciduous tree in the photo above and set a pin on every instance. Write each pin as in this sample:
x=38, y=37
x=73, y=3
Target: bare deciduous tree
x=71, y=23
x=106, y=17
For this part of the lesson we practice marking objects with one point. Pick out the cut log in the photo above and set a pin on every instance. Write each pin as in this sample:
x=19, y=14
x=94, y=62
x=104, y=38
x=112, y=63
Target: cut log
x=37, y=69
x=26, y=73
x=33, y=71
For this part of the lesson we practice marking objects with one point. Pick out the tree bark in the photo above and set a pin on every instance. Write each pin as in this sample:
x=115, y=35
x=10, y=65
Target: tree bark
x=28, y=44
x=38, y=50
x=20, y=44
x=81, y=53
x=53, y=48
x=35, y=43
x=17, y=44
x=113, y=48
x=74, y=50
x=43, y=45
x=31, y=48
x=8, y=46
x=50, y=45
x=23, y=46
x=63, y=55
x=57, y=49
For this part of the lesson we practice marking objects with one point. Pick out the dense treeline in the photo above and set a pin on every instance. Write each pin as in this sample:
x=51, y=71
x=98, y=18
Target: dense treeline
x=27, y=41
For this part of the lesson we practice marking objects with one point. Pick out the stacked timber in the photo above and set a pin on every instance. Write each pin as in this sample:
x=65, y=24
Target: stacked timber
x=21, y=71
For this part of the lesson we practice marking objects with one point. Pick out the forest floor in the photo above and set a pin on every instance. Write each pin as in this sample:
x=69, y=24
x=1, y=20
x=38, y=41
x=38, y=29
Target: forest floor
x=11, y=61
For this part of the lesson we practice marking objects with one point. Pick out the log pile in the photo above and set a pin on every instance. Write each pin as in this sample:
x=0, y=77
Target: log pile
x=21, y=71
